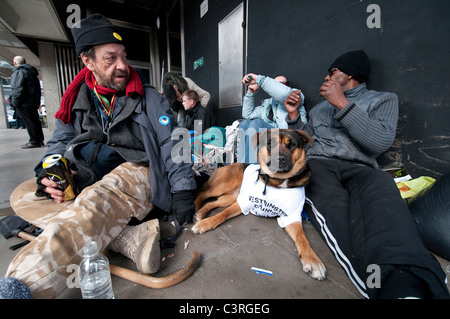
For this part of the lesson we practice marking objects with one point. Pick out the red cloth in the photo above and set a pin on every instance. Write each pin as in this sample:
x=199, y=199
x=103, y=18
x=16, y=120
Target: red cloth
x=134, y=85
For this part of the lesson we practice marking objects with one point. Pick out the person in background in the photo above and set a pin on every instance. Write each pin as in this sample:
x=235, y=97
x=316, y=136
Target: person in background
x=270, y=114
x=18, y=122
x=174, y=85
x=26, y=99
x=195, y=113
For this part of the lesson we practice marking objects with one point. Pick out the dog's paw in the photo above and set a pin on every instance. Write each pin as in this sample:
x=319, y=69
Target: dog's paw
x=197, y=217
x=200, y=214
x=314, y=267
x=201, y=227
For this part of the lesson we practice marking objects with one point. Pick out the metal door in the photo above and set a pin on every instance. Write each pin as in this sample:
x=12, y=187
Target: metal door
x=231, y=58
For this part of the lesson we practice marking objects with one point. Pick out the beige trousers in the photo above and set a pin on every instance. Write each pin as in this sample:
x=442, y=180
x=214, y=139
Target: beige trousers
x=100, y=213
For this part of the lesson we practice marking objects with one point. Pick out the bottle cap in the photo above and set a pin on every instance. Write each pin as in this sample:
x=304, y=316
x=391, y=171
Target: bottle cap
x=90, y=248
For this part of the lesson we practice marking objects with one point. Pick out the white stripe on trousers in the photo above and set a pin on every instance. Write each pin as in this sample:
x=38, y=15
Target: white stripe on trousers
x=340, y=256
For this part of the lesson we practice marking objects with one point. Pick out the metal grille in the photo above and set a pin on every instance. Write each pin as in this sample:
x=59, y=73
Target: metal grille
x=68, y=65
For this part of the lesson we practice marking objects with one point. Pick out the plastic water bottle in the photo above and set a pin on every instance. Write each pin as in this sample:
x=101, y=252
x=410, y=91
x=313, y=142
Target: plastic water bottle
x=95, y=276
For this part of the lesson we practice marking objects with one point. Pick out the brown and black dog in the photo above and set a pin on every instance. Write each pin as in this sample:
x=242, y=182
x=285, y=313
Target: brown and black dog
x=282, y=159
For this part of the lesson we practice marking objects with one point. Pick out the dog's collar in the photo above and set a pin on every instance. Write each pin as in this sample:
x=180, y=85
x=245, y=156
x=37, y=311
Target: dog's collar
x=300, y=172
x=266, y=177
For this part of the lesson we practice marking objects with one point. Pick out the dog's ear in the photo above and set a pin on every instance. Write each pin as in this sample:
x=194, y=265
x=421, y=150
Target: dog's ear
x=258, y=137
x=307, y=139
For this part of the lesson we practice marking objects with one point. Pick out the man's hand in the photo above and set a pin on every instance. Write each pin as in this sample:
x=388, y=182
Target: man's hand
x=334, y=93
x=48, y=188
x=183, y=206
x=52, y=189
x=249, y=79
x=292, y=103
x=253, y=88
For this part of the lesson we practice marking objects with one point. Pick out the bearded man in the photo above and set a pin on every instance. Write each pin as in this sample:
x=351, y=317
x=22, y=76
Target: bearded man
x=116, y=135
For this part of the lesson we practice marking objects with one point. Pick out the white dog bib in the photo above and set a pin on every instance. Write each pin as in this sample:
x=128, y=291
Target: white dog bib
x=284, y=203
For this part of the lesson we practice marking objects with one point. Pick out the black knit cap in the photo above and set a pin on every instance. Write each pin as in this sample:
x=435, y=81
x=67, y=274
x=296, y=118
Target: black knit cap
x=94, y=30
x=354, y=63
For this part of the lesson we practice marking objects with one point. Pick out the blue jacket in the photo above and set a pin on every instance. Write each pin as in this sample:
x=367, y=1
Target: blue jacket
x=141, y=133
x=278, y=92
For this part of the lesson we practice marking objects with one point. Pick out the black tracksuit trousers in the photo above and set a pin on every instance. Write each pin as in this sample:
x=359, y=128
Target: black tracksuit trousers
x=367, y=225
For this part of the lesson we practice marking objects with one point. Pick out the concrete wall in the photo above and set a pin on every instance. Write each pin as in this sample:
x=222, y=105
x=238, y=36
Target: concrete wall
x=3, y=116
x=50, y=81
x=409, y=52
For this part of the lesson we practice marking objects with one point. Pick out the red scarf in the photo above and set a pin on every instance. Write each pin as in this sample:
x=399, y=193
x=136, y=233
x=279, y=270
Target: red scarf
x=134, y=85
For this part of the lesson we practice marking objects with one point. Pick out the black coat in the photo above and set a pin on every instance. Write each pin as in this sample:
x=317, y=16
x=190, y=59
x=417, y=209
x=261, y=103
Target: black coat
x=199, y=113
x=25, y=87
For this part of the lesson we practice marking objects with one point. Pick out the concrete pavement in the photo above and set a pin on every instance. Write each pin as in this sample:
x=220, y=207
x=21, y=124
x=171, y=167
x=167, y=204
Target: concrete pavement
x=228, y=252
x=16, y=164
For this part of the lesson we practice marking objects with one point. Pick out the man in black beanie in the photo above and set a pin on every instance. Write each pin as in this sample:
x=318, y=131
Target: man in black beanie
x=94, y=30
x=355, y=64
x=356, y=207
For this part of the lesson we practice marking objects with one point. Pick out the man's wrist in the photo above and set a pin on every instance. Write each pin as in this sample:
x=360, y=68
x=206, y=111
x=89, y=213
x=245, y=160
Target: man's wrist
x=344, y=111
x=294, y=115
x=260, y=80
x=342, y=104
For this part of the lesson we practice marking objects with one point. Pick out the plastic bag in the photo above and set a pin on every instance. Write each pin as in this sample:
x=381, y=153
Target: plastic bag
x=214, y=149
x=413, y=187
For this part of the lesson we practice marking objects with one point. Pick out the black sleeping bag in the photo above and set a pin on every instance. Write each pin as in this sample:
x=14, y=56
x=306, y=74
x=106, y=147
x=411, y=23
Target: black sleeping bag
x=431, y=212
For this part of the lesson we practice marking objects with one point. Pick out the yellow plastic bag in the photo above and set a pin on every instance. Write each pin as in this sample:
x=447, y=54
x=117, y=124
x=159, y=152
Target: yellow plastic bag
x=412, y=187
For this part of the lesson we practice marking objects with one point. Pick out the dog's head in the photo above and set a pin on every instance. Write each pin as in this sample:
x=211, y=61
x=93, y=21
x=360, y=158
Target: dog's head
x=282, y=153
